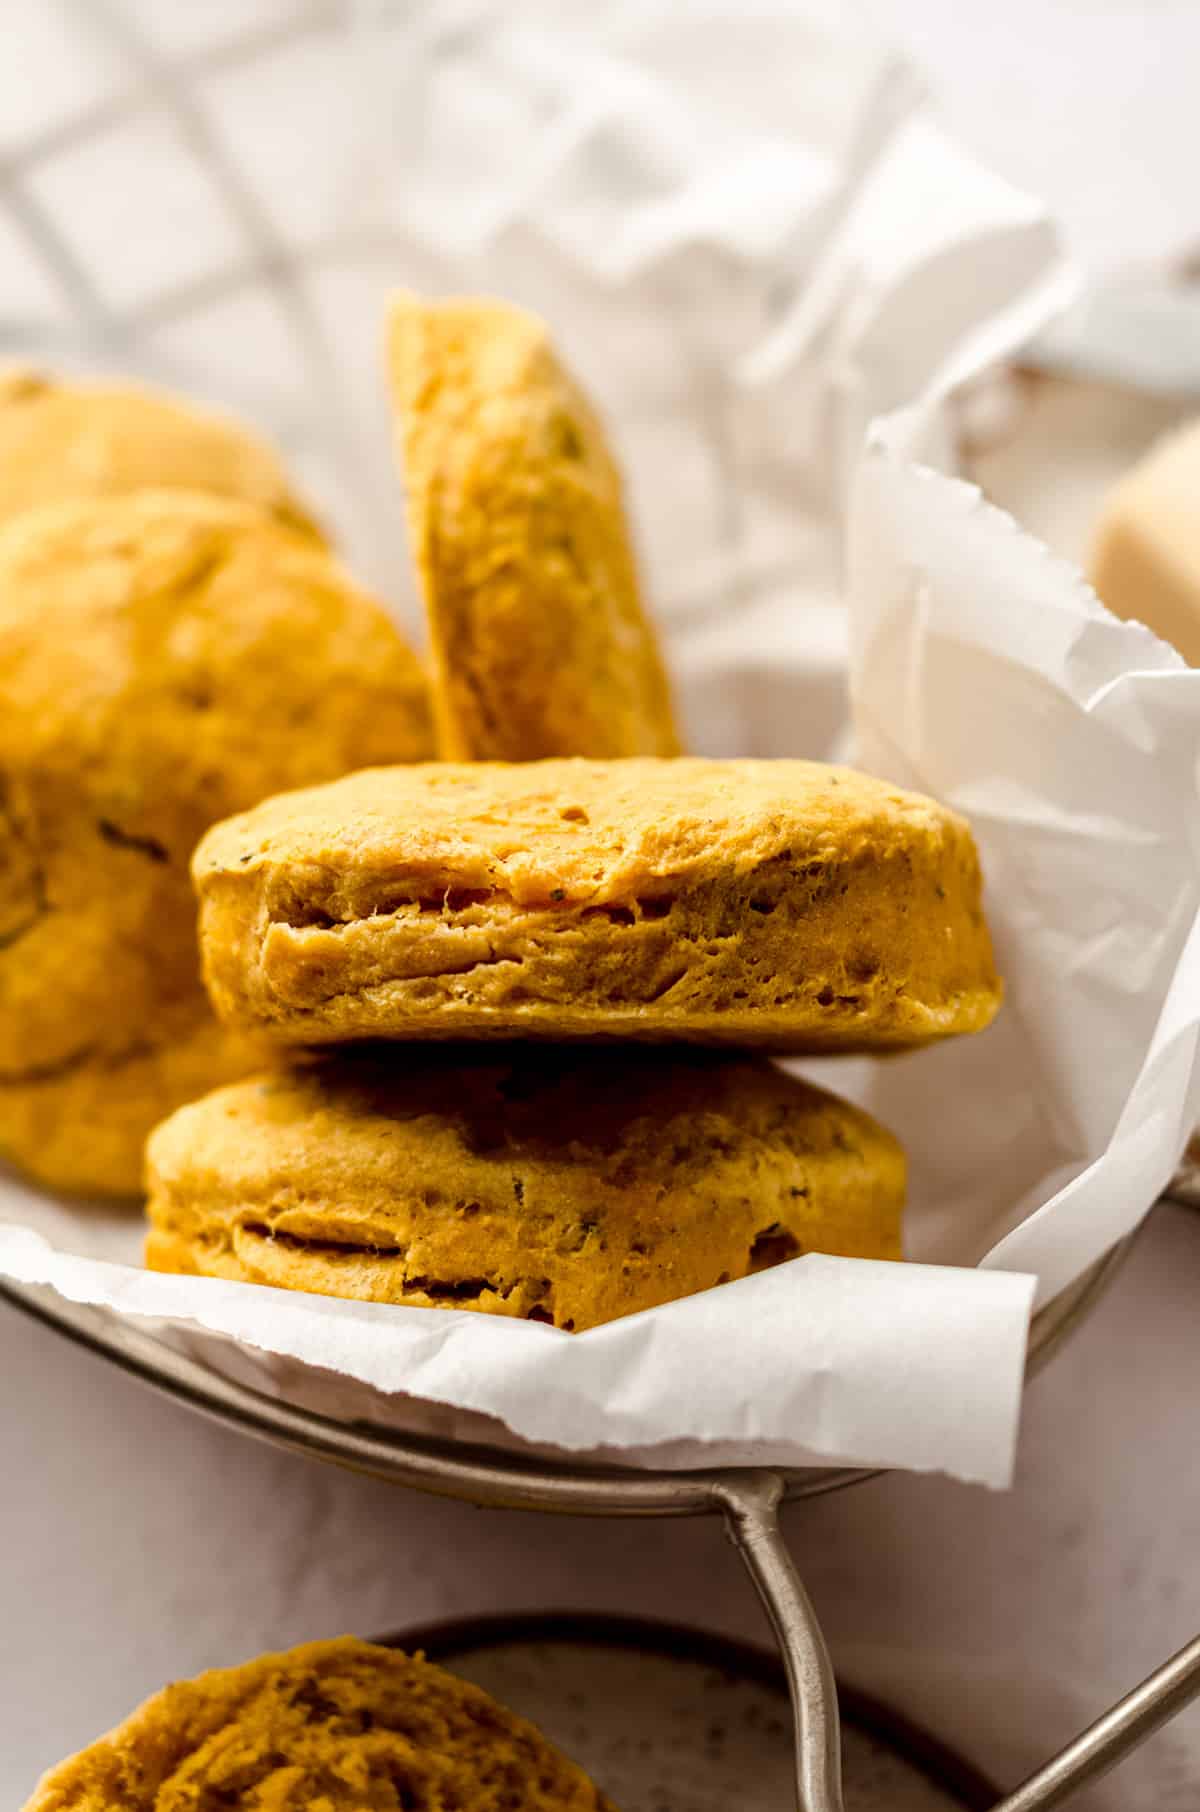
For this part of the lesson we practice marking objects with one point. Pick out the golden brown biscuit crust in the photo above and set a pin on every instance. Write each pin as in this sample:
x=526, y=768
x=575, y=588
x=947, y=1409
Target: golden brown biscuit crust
x=570, y=1187
x=540, y=641
x=165, y=658
x=341, y=1725
x=80, y=1124
x=780, y=904
x=70, y=440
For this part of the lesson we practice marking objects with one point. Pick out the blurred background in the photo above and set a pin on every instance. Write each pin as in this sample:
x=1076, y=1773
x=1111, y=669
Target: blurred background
x=218, y=196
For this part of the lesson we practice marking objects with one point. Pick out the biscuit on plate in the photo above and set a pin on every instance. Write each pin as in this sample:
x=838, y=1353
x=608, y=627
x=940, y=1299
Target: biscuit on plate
x=165, y=658
x=62, y=439
x=541, y=643
x=781, y=904
x=565, y=1186
x=338, y=1726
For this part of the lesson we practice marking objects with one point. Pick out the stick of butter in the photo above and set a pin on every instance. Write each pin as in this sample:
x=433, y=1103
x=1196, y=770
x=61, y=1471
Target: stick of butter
x=1146, y=556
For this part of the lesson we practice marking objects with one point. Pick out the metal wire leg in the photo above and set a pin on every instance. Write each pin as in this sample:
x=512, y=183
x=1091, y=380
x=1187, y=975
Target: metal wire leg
x=1104, y=1743
x=750, y=1503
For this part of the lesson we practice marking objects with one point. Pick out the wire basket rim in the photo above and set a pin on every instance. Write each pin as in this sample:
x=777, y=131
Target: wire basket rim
x=451, y=1467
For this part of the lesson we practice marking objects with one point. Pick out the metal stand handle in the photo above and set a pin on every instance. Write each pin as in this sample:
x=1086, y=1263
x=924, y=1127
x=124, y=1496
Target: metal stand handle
x=750, y=1504
x=1103, y=1744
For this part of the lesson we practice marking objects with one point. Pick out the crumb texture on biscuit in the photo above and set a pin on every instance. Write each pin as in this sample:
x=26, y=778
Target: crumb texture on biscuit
x=339, y=1726
x=570, y=1187
x=781, y=904
x=165, y=658
x=541, y=643
x=61, y=440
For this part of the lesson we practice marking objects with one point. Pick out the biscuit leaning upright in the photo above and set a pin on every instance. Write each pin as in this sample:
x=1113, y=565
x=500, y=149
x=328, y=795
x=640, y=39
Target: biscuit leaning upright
x=541, y=642
x=165, y=658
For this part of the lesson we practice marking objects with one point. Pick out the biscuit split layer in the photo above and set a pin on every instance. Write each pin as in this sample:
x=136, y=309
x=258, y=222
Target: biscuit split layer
x=342, y=1726
x=780, y=904
x=570, y=1187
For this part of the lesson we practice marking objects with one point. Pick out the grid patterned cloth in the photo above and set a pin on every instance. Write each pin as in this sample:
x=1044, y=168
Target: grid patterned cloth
x=218, y=197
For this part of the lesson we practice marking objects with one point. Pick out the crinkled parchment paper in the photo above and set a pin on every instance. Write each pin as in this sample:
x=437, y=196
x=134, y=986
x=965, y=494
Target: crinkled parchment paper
x=755, y=241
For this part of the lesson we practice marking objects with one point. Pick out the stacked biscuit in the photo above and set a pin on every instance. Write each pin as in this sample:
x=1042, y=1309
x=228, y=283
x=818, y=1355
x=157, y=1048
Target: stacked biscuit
x=519, y=1000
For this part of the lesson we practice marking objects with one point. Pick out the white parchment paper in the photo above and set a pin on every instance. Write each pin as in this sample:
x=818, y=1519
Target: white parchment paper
x=749, y=272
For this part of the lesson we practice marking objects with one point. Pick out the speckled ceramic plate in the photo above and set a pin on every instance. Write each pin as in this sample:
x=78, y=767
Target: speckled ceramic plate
x=669, y=1719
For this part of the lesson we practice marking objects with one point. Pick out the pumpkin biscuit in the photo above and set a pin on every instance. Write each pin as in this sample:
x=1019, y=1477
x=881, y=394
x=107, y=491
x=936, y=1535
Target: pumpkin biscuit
x=63, y=440
x=779, y=904
x=541, y=644
x=165, y=658
x=570, y=1187
x=342, y=1725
